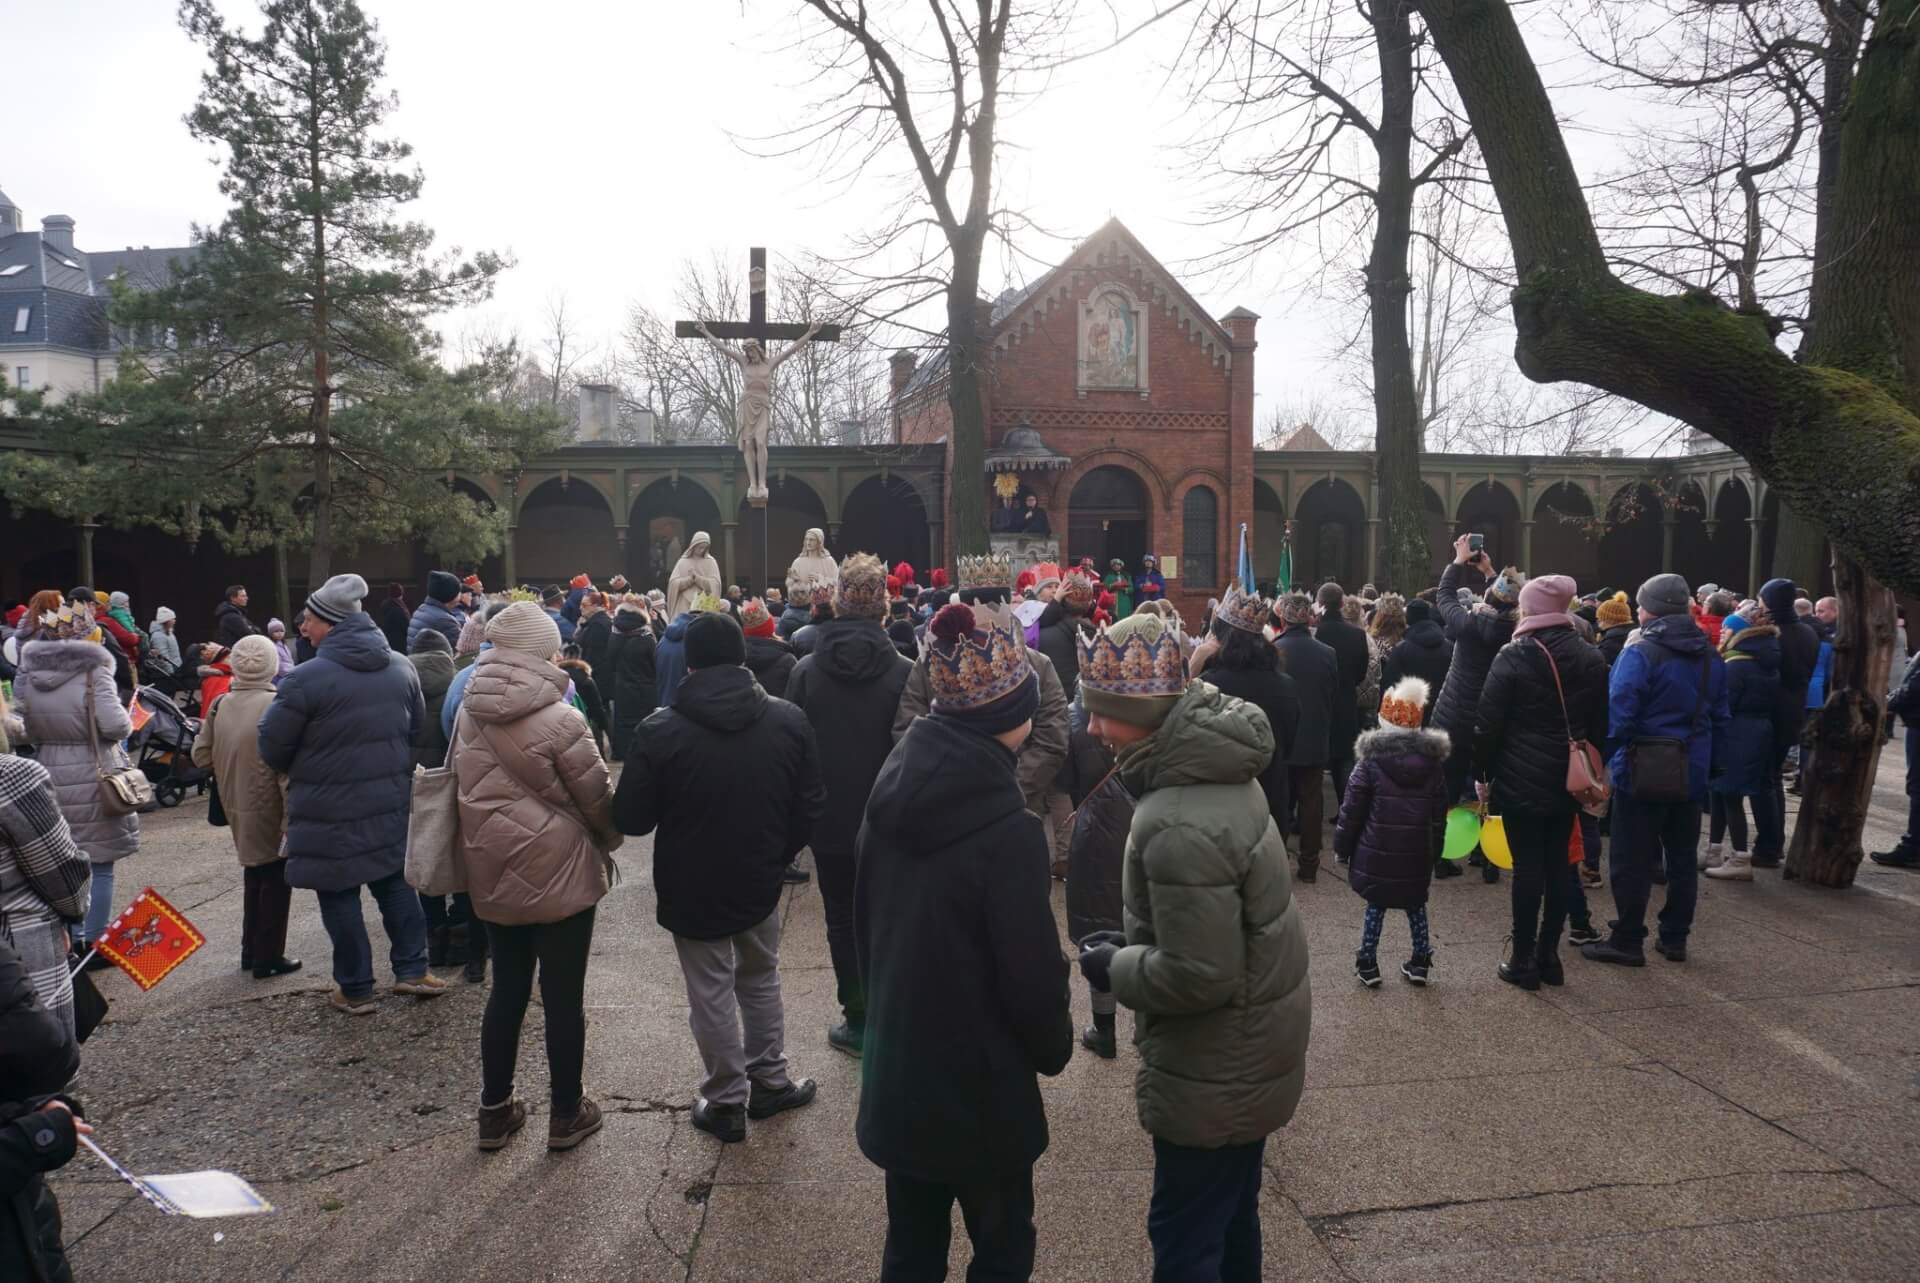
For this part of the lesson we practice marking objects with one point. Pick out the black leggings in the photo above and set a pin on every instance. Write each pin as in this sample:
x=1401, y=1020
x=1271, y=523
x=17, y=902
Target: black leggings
x=1546, y=889
x=560, y=950
x=1729, y=816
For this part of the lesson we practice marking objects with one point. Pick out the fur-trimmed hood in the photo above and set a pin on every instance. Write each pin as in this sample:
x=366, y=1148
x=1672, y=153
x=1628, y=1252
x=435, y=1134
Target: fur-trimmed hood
x=1729, y=642
x=54, y=661
x=1396, y=741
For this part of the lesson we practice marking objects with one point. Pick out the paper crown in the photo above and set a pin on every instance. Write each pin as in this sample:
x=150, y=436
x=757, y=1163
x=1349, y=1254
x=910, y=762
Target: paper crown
x=754, y=613
x=1045, y=573
x=1406, y=704
x=1133, y=665
x=990, y=571
x=975, y=668
x=863, y=587
x=1248, y=612
x=705, y=602
x=1079, y=589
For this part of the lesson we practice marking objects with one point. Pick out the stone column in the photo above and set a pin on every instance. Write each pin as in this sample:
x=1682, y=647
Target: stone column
x=506, y=561
x=727, y=563
x=1526, y=546
x=84, y=530
x=1666, y=544
x=1372, y=567
x=1756, y=526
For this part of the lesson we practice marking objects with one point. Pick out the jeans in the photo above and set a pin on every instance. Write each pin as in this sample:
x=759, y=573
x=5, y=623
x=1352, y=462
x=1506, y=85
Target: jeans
x=263, y=912
x=1204, y=1217
x=1911, y=838
x=1645, y=832
x=836, y=897
x=1728, y=816
x=999, y=1219
x=100, y=908
x=1304, y=792
x=400, y=914
x=560, y=950
x=1376, y=917
x=1546, y=888
x=734, y=983
x=1770, y=833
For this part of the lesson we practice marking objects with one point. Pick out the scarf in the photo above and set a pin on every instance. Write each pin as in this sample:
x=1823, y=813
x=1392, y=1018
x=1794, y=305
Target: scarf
x=1534, y=623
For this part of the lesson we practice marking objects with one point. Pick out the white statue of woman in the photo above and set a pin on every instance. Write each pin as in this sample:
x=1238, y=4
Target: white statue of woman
x=754, y=414
x=814, y=565
x=696, y=572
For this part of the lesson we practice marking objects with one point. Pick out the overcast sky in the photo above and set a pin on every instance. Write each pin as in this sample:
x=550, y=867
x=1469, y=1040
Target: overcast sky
x=594, y=140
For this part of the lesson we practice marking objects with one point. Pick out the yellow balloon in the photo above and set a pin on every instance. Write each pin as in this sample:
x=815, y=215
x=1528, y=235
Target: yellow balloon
x=1493, y=842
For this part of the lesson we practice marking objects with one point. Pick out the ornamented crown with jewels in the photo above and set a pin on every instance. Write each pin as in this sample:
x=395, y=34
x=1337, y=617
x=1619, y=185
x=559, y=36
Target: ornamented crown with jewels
x=1135, y=666
x=1246, y=611
x=975, y=670
x=1079, y=590
x=990, y=571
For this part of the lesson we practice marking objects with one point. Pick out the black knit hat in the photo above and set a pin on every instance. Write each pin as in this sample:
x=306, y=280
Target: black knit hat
x=714, y=640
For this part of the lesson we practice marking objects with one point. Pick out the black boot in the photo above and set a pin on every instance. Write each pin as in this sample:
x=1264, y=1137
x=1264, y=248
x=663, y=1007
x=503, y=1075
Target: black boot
x=1546, y=961
x=1905, y=855
x=437, y=946
x=1521, y=968
x=1100, y=1039
x=1448, y=869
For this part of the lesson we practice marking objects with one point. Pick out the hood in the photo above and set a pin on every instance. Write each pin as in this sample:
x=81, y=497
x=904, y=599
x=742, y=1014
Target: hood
x=677, y=630
x=721, y=699
x=1761, y=641
x=1427, y=635
x=509, y=684
x=1679, y=634
x=629, y=621
x=697, y=547
x=1207, y=739
x=765, y=651
x=942, y=768
x=853, y=650
x=1409, y=757
x=1777, y=596
x=435, y=668
x=54, y=663
x=355, y=643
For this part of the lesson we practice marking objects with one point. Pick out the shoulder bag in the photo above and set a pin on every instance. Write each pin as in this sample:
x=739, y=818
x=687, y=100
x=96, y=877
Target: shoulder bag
x=216, y=812
x=436, y=865
x=1660, y=764
x=1586, y=769
x=123, y=789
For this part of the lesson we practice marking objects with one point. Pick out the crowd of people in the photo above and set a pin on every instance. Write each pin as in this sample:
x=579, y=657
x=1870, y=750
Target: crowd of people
x=1061, y=724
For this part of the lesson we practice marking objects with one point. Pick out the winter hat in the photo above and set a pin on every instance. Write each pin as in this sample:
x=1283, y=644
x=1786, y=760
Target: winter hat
x=1134, y=671
x=1664, y=595
x=433, y=639
x=1295, y=610
x=254, y=660
x=1406, y=704
x=339, y=597
x=164, y=615
x=864, y=588
x=937, y=577
x=1705, y=591
x=579, y=581
x=755, y=620
x=979, y=676
x=1547, y=595
x=118, y=601
x=1506, y=586
x=442, y=585
x=273, y=624
x=524, y=626
x=1615, y=611
x=714, y=640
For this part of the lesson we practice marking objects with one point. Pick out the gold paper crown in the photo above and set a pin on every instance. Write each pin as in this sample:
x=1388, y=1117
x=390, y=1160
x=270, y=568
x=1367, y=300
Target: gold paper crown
x=975, y=670
x=706, y=602
x=990, y=571
x=1078, y=589
x=1134, y=665
x=1248, y=612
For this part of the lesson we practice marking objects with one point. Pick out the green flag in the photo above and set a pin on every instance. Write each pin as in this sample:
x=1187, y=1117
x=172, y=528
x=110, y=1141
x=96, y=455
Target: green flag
x=1283, y=581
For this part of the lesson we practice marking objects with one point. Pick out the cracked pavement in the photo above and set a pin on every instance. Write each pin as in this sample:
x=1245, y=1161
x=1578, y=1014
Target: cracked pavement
x=1751, y=1115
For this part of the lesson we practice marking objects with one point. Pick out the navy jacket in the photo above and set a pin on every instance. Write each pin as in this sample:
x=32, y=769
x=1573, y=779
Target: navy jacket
x=670, y=661
x=1393, y=820
x=1753, y=693
x=440, y=617
x=341, y=729
x=1655, y=691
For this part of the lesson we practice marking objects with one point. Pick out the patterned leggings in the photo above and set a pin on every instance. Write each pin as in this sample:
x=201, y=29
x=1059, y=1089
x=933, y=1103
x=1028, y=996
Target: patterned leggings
x=1416, y=923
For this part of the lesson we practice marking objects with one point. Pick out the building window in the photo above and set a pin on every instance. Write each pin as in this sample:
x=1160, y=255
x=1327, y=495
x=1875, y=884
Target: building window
x=22, y=376
x=1200, y=560
x=20, y=319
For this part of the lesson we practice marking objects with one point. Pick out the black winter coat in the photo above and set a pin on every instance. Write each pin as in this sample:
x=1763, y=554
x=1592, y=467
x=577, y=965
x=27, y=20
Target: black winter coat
x=771, y=661
x=230, y=624
x=629, y=678
x=1477, y=637
x=37, y=1058
x=1520, y=736
x=1753, y=700
x=342, y=729
x=1315, y=671
x=394, y=618
x=731, y=779
x=1614, y=640
x=1275, y=694
x=1799, y=653
x=849, y=688
x=966, y=984
x=1057, y=643
x=1096, y=858
x=592, y=699
x=1425, y=653
x=594, y=636
x=1349, y=646
x=1393, y=820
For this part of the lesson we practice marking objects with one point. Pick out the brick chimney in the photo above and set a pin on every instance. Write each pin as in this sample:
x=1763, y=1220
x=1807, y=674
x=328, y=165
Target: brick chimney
x=904, y=363
x=57, y=231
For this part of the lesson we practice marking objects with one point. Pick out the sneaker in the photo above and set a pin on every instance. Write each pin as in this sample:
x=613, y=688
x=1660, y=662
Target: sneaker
x=1737, y=867
x=1414, y=970
x=422, y=986
x=278, y=967
x=1590, y=878
x=1901, y=857
x=794, y=875
x=565, y=1133
x=726, y=1122
x=498, y=1122
x=1580, y=936
x=1366, y=968
x=845, y=1037
x=1671, y=952
x=1101, y=1042
x=763, y=1102
x=1611, y=951
x=1712, y=855
x=339, y=1001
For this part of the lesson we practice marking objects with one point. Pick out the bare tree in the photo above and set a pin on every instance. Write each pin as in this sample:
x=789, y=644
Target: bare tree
x=564, y=350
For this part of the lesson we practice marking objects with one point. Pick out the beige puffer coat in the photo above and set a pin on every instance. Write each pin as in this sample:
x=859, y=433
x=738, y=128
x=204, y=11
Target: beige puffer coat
x=252, y=793
x=536, y=815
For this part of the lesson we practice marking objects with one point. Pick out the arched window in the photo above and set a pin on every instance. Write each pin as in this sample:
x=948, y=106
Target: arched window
x=1200, y=561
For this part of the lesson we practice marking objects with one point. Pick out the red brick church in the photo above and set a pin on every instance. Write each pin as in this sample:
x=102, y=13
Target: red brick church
x=1121, y=404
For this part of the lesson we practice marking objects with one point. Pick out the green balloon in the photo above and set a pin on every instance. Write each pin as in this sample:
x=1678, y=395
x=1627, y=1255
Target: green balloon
x=1463, y=833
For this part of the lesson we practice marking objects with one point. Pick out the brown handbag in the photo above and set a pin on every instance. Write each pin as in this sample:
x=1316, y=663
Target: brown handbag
x=124, y=790
x=1586, y=769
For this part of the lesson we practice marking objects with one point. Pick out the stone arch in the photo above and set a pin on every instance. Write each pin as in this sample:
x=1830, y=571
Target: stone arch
x=1329, y=534
x=565, y=528
x=886, y=516
x=793, y=507
x=600, y=483
x=1133, y=461
x=1692, y=544
x=1564, y=540
x=1203, y=566
x=1490, y=509
x=1727, y=563
x=663, y=516
x=1630, y=548
x=1439, y=552
x=1269, y=532
x=1110, y=514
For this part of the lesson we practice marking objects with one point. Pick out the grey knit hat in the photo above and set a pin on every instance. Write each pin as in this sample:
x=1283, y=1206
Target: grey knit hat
x=339, y=597
x=1665, y=595
x=254, y=659
x=523, y=626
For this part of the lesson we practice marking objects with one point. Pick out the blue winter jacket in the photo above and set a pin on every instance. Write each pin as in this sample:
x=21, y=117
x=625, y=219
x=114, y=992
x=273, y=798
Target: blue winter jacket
x=565, y=625
x=1822, y=673
x=670, y=660
x=1753, y=692
x=456, y=691
x=1655, y=692
x=341, y=729
x=442, y=618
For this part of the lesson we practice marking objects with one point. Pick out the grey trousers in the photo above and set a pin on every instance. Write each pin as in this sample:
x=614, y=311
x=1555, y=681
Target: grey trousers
x=731, y=982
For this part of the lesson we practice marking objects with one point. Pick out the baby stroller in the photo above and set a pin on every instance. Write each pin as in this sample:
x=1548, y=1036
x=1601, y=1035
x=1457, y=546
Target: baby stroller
x=163, y=675
x=163, y=749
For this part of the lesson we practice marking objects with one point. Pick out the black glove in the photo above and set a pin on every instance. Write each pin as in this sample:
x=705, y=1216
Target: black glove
x=1118, y=939
x=1096, y=964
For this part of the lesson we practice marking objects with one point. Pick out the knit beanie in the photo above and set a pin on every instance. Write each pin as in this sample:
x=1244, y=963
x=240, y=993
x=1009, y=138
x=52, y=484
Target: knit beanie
x=523, y=626
x=755, y=619
x=862, y=591
x=714, y=640
x=1419, y=612
x=1615, y=611
x=1547, y=595
x=164, y=615
x=443, y=586
x=433, y=639
x=1665, y=595
x=339, y=597
x=253, y=659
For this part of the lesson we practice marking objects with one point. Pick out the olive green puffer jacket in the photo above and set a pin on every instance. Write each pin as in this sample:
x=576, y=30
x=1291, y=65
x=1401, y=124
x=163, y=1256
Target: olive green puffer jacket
x=1216, y=961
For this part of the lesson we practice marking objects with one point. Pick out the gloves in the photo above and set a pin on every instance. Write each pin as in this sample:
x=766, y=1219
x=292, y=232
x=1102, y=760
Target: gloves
x=1096, y=964
x=1118, y=939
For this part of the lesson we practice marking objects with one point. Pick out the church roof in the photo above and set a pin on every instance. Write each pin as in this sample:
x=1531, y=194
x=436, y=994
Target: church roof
x=1305, y=438
x=1023, y=450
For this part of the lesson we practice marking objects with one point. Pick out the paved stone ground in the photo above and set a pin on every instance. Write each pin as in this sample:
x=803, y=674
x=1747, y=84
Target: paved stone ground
x=1752, y=1115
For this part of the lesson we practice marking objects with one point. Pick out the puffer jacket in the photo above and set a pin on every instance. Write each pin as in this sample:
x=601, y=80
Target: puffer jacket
x=1656, y=691
x=165, y=644
x=536, y=802
x=342, y=729
x=1477, y=636
x=1393, y=820
x=630, y=659
x=1096, y=855
x=1425, y=653
x=849, y=688
x=437, y=615
x=771, y=661
x=433, y=664
x=1057, y=641
x=593, y=637
x=37, y=1058
x=792, y=620
x=59, y=681
x=1614, y=640
x=1753, y=693
x=252, y=795
x=1215, y=966
x=670, y=661
x=230, y=624
x=1520, y=733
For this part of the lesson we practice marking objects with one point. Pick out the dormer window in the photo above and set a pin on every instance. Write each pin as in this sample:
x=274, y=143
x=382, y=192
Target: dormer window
x=20, y=319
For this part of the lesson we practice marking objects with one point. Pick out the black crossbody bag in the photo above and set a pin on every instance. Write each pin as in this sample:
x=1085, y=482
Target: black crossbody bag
x=1659, y=764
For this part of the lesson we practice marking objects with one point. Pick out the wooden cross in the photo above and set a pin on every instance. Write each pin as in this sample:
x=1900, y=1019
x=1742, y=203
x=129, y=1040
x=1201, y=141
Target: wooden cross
x=756, y=326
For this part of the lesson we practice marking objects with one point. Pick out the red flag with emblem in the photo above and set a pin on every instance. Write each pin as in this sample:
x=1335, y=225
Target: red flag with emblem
x=149, y=939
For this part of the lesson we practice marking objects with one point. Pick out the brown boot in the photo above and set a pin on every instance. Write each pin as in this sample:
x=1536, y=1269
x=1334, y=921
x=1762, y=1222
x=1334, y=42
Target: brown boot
x=498, y=1122
x=565, y=1133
